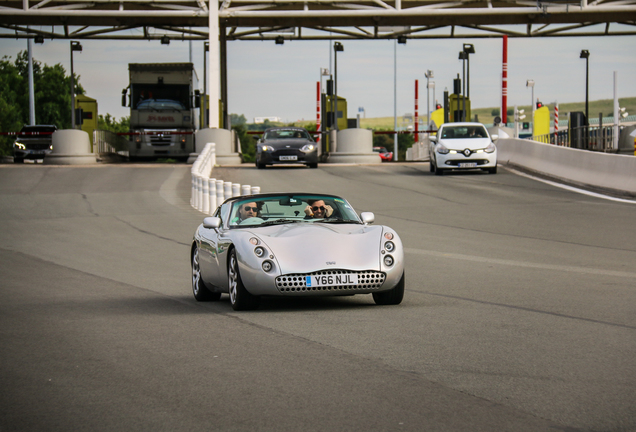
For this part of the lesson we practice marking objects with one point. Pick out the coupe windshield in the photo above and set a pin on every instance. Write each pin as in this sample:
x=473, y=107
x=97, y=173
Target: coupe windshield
x=285, y=209
x=286, y=134
x=462, y=132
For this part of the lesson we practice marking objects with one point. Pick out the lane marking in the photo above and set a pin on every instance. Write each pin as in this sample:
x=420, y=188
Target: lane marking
x=573, y=269
x=571, y=188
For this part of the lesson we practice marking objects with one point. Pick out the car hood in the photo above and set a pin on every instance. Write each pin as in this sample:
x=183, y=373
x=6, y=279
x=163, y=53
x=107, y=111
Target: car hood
x=466, y=143
x=304, y=247
x=287, y=143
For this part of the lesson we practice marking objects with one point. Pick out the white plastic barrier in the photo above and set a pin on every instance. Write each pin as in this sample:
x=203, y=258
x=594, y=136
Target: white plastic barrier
x=208, y=193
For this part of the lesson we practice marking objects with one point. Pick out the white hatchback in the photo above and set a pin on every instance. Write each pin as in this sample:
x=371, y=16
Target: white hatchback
x=460, y=146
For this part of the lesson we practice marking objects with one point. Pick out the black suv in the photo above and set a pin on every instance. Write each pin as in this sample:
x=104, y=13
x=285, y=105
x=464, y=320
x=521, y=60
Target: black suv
x=33, y=142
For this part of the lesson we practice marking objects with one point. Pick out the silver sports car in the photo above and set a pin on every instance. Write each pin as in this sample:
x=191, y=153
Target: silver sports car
x=294, y=244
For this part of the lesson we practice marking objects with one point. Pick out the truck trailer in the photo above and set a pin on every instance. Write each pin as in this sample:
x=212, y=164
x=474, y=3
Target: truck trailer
x=163, y=100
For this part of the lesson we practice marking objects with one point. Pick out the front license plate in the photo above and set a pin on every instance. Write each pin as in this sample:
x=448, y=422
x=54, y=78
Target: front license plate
x=468, y=165
x=288, y=158
x=332, y=280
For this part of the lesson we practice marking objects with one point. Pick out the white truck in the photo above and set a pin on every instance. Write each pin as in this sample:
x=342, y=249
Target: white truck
x=164, y=101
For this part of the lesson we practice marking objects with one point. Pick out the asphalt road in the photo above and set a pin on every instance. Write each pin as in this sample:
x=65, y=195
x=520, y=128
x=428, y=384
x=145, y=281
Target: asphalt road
x=519, y=312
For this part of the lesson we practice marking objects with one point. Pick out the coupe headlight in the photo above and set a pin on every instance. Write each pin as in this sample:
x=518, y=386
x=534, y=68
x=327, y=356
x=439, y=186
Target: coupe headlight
x=20, y=146
x=441, y=149
x=491, y=148
x=267, y=266
x=389, y=246
x=388, y=260
x=259, y=252
x=308, y=147
x=267, y=148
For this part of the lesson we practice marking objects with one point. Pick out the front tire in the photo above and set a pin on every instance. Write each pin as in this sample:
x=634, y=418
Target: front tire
x=200, y=291
x=313, y=165
x=240, y=298
x=391, y=297
x=492, y=170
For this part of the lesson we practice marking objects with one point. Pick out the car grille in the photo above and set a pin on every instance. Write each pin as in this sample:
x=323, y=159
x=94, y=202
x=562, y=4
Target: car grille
x=367, y=280
x=161, y=140
x=44, y=146
x=477, y=161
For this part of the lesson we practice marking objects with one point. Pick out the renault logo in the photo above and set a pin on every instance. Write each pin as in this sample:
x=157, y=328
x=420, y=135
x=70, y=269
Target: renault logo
x=467, y=152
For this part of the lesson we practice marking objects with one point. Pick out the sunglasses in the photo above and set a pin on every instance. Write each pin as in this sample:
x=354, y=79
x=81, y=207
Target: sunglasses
x=248, y=208
x=321, y=208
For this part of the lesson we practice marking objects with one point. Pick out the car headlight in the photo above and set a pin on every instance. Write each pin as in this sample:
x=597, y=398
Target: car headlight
x=491, y=148
x=388, y=260
x=441, y=149
x=308, y=147
x=259, y=251
x=267, y=148
x=20, y=145
x=389, y=246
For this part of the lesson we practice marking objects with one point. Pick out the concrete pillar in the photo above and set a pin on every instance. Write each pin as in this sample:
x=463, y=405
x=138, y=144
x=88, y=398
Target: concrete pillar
x=220, y=197
x=70, y=147
x=245, y=189
x=354, y=146
x=225, y=154
x=236, y=189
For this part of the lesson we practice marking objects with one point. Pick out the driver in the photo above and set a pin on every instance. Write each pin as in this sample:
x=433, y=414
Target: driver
x=317, y=210
x=246, y=211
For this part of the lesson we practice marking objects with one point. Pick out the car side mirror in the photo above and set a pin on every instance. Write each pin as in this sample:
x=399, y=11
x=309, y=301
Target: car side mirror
x=494, y=137
x=211, y=222
x=367, y=217
x=433, y=139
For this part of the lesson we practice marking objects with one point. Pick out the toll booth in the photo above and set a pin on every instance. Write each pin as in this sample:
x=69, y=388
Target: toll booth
x=577, y=130
x=86, y=115
x=204, y=112
x=330, y=118
x=456, y=102
x=541, y=124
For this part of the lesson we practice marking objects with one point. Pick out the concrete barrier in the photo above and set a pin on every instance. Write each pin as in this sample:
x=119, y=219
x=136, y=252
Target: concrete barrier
x=70, y=147
x=354, y=146
x=209, y=193
x=603, y=172
x=224, y=140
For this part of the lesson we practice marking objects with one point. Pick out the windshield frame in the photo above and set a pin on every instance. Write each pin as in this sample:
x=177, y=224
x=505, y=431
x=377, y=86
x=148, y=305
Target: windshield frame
x=289, y=208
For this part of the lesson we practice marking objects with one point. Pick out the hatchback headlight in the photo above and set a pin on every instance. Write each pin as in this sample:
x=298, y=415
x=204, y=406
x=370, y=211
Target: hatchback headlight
x=491, y=148
x=441, y=149
x=308, y=147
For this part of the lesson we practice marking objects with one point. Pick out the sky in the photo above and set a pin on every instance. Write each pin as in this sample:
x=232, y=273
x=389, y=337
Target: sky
x=265, y=79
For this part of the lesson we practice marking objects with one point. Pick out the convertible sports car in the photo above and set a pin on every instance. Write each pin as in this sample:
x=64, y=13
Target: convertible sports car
x=294, y=244
x=463, y=146
x=284, y=145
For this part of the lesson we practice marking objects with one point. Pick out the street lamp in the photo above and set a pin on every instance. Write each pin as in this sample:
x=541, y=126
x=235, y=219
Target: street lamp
x=586, y=55
x=428, y=74
x=463, y=56
x=530, y=83
x=337, y=47
x=75, y=46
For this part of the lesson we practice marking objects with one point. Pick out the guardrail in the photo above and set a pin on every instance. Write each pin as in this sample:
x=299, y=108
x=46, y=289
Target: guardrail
x=108, y=142
x=584, y=138
x=208, y=193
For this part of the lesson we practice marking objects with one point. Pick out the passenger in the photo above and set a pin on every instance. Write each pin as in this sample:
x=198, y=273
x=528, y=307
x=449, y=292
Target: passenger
x=317, y=210
x=246, y=211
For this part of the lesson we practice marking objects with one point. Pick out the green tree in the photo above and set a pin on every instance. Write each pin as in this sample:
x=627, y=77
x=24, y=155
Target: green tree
x=52, y=96
x=237, y=120
x=110, y=123
x=248, y=143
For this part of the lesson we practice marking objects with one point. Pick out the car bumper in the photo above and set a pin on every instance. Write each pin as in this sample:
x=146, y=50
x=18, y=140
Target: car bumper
x=30, y=154
x=274, y=158
x=459, y=161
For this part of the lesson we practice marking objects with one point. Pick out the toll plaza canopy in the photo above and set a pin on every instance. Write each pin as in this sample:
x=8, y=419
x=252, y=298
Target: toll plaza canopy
x=327, y=19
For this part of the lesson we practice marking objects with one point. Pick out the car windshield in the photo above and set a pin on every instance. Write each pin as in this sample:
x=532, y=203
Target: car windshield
x=462, y=132
x=286, y=134
x=38, y=129
x=380, y=150
x=287, y=208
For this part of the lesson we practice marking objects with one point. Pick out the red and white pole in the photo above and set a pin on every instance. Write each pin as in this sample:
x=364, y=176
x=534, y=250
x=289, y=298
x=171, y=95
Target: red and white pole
x=416, y=119
x=318, y=110
x=556, y=123
x=504, y=82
